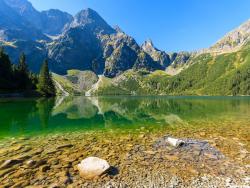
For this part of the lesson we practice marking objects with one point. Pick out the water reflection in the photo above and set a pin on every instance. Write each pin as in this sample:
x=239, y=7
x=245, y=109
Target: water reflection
x=25, y=116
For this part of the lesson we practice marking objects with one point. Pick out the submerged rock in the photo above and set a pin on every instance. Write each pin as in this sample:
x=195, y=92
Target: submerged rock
x=92, y=167
x=65, y=146
x=10, y=163
x=30, y=163
x=189, y=147
x=175, y=142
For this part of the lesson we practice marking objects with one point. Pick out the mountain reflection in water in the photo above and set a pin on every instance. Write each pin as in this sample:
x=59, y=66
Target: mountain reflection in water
x=25, y=116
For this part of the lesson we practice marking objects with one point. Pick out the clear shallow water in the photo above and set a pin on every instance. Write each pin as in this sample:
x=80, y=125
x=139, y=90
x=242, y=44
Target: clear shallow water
x=59, y=133
x=27, y=117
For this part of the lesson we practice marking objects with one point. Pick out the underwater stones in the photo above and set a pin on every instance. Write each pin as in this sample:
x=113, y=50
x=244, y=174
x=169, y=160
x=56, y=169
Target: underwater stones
x=41, y=162
x=10, y=163
x=65, y=146
x=44, y=168
x=92, y=167
x=191, y=149
x=30, y=163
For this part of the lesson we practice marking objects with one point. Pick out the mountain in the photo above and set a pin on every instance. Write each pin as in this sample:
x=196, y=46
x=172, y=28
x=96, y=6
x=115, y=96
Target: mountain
x=108, y=61
x=222, y=72
x=53, y=21
x=207, y=74
x=89, y=43
x=159, y=56
x=13, y=27
x=234, y=40
x=80, y=47
x=84, y=42
x=49, y=22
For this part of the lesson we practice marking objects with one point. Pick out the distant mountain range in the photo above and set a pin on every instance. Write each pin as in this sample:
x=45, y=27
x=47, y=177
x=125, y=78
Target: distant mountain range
x=86, y=42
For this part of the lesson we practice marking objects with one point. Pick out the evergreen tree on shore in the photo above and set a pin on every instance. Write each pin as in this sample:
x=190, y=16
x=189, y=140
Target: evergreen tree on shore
x=6, y=71
x=46, y=85
x=22, y=74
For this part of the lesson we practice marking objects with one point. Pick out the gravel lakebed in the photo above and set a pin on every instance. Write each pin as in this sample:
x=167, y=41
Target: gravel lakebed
x=141, y=158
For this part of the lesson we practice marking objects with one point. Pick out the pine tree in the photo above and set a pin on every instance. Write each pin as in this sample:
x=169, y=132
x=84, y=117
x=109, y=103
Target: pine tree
x=5, y=71
x=247, y=83
x=236, y=83
x=22, y=73
x=46, y=85
x=22, y=66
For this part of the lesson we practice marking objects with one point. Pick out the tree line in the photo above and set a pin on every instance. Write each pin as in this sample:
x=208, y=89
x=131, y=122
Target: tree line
x=19, y=79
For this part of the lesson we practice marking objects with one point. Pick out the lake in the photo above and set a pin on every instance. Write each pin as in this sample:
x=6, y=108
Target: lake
x=113, y=127
x=21, y=117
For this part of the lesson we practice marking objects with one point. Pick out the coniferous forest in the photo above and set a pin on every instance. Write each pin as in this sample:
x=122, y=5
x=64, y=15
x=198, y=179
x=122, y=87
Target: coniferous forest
x=17, y=78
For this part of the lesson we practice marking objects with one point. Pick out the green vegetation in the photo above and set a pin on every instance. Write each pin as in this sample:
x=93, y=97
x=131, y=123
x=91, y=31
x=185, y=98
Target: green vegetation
x=208, y=74
x=18, y=78
x=15, y=78
x=46, y=85
x=76, y=82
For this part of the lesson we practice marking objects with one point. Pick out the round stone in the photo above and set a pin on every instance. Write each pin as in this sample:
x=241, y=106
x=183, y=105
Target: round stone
x=92, y=167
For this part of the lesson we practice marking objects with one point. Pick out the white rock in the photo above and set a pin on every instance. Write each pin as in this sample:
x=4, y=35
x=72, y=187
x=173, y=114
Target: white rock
x=92, y=167
x=175, y=142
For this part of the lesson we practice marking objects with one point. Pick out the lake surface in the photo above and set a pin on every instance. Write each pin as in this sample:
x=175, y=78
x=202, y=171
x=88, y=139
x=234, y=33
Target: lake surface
x=27, y=117
x=45, y=140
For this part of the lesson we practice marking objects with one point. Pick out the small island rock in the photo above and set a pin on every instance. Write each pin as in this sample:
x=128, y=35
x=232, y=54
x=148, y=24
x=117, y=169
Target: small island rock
x=92, y=167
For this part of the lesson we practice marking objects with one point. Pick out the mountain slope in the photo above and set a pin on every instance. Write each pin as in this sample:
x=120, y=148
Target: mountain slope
x=13, y=27
x=234, y=40
x=225, y=74
x=159, y=56
x=89, y=43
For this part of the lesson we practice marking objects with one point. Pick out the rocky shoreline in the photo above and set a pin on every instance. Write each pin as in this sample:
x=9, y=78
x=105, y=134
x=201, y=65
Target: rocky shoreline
x=141, y=159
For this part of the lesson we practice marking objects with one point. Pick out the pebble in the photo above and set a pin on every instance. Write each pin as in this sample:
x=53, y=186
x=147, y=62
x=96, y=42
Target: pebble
x=44, y=168
x=10, y=163
x=30, y=163
x=65, y=146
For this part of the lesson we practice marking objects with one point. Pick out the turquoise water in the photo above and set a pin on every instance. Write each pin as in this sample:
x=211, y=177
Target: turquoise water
x=21, y=117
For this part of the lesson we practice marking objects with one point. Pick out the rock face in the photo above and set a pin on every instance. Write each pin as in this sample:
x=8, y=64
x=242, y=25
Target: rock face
x=80, y=46
x=15, y=27
x=161, y=57
x=179, y=59
x=92, y=167
x=53, y=21
x=233, y=40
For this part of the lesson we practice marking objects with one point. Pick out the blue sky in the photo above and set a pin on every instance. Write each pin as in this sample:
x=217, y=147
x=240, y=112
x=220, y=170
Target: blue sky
x=173, y=25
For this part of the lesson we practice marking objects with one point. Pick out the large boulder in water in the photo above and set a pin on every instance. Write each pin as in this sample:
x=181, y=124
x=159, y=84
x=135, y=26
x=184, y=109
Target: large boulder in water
x=93, y=167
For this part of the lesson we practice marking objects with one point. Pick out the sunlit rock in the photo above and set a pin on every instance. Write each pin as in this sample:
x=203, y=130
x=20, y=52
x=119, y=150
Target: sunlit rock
x=175, y=142
x=92, y=167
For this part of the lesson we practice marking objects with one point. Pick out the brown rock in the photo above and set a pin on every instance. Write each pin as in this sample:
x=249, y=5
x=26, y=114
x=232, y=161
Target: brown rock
x=65, y=146
x=44, y=168
x=10, y=163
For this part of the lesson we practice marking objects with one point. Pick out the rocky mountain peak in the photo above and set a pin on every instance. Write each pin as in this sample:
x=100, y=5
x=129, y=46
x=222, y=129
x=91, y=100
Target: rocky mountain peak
x=148, y=46
x=20, y=5
x=234, y=40
x=24, y=8
x=159, y=56
x=118, y=29
x=50, y=22
x=91, y=18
